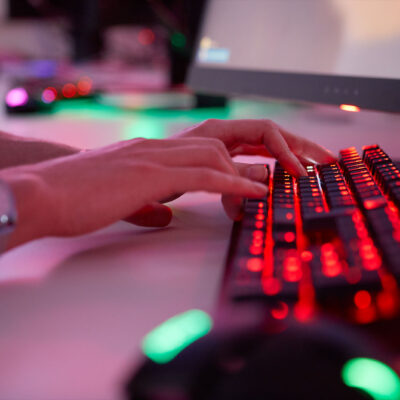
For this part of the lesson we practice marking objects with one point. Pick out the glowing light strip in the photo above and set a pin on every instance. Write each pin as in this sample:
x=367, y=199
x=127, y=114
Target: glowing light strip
x=372, y=376
x=167, y=340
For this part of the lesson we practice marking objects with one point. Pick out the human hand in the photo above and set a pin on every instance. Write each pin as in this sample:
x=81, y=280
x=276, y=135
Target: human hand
x=81, y=193
x=263, y=138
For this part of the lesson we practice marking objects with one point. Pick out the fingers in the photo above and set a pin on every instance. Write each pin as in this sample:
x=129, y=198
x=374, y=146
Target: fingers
x=264, y=137
x=279, y=149
x=152, y=215
x=192, y=156
x=254, y=172
x=206, y=179
x=233, y=206
x=307, y=151
x=183, y=152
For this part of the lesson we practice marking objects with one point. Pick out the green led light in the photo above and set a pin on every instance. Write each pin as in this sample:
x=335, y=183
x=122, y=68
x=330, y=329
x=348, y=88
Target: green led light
x=149, y=128
x=167, y=340
x=372, y=376
x=178, y=40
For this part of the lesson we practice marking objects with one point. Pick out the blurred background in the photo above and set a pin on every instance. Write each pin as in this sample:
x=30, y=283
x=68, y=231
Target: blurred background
x=98, y=71
x=154, y=34
x=91, y=72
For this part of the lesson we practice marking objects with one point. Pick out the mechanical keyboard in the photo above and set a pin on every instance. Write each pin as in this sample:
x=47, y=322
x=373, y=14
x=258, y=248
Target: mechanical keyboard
x=329, y=240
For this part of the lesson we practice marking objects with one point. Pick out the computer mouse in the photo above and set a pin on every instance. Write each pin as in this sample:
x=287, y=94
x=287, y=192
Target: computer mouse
x=322, y=360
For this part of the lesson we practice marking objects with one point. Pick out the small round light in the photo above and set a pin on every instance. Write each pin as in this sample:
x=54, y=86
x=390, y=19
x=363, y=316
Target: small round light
x=69, y=90
x=178, y=40
x=84, y=86
x=49, y=95
x=17, y=97
x=146, y=37
x=362, y=299
x=281, y=311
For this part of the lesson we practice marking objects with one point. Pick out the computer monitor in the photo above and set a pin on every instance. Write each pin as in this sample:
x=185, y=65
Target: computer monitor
x=325, y=51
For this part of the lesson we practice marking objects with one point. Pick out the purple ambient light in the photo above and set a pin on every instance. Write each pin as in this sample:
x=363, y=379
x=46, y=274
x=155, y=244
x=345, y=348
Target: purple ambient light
x=17, y=97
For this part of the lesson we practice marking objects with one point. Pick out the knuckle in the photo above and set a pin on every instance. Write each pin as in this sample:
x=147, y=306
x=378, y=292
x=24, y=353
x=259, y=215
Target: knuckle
x=137, y=140
x=280, y=154
x=270, y=123
x=211, y=122
x=209, y=125
x=218, y=145
x=214, y=152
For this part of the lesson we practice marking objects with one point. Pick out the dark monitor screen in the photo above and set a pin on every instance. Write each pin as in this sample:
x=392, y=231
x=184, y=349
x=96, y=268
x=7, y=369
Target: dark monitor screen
x=328, y=51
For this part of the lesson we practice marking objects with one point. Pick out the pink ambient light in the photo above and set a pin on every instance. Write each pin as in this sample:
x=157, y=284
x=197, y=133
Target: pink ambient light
x=17, y=97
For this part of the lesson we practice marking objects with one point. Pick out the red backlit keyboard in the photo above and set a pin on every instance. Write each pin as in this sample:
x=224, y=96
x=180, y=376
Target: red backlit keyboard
x=331, y=238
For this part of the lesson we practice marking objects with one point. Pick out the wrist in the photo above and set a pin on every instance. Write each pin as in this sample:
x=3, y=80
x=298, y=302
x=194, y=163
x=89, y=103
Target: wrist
x=33, y=214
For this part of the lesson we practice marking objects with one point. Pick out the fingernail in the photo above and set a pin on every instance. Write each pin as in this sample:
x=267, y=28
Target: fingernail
x=257, y=173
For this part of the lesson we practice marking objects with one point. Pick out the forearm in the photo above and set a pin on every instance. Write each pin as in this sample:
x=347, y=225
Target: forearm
x=16, y=150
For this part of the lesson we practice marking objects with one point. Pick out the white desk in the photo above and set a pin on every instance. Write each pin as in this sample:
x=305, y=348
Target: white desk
x=73, y=311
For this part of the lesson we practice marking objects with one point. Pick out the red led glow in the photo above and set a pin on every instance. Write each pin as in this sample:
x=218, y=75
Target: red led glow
x=303, y=312
x=271, y=286
x=387, y=304
x=331, y=265
x=146, y=37
x=260, y=217
x=255, y=264
x=290, y=237
x=84, y=86
x=306, y=256
x=319, y=209
x=372, y=204
x=255, y=250
x=257, y=242
x=281, y=311
x=362, y=299
x=332, y=269
x=69, y=90
x=328, y=248
x=292, y=269
x=259, y=224
x=258, y=234
x=289, y=216
x=365, y=315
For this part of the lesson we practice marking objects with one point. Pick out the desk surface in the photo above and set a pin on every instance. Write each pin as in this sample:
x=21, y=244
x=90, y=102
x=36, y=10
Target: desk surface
x=73, y=311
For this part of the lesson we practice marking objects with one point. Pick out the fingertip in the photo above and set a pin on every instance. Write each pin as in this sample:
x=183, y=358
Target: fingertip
x=164, y=218
x=233, y=207
x=326, y=157
x=257, y=172
x=152, y=216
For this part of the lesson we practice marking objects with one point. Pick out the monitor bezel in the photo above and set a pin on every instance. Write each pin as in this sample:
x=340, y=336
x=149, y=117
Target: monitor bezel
x=367, y=93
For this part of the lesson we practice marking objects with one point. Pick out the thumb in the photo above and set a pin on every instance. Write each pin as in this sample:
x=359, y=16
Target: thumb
x=151, y=215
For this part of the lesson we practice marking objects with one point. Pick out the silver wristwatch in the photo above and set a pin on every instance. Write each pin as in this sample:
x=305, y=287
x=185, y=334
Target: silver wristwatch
x=8, y=214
